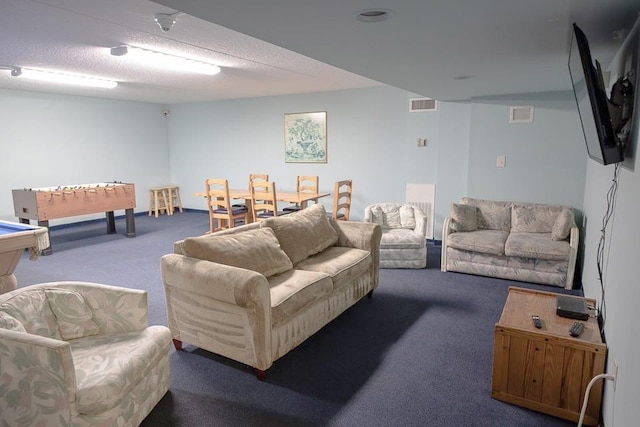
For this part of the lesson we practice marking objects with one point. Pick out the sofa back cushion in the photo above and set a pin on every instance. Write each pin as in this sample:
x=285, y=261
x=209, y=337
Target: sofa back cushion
x=534, y=217
x=303, y=233
x=392, y=215
x=256, y=250
x=564, y=223
x=464, y=217
x=491, y=215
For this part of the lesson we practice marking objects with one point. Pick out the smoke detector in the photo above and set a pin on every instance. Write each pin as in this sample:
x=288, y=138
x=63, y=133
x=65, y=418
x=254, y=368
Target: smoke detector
x=166, y=20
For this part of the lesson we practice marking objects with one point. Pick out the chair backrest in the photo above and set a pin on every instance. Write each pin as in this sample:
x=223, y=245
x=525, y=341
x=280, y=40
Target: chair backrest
x=308, y=184
x=263, y=199
x=257, y=177
x=219, y=204
x=342, y=200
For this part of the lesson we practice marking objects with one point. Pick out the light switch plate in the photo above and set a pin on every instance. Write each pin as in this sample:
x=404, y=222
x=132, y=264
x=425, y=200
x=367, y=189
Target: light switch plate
x=501, y=162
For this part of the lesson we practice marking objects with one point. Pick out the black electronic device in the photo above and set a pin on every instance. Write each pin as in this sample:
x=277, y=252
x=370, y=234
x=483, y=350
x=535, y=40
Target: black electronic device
x=536, y=321
x=576, y=329
x=572, y=307
x=602, y=135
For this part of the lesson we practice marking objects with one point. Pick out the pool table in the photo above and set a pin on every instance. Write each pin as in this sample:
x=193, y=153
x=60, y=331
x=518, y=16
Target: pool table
x=14, y=239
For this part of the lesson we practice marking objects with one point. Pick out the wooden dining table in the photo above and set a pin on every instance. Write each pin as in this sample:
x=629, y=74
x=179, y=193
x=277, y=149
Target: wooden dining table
x=300, y=198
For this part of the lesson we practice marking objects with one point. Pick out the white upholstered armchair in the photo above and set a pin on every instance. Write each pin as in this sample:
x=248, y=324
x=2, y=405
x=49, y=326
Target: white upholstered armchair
x=404, y=230
x=79, y=354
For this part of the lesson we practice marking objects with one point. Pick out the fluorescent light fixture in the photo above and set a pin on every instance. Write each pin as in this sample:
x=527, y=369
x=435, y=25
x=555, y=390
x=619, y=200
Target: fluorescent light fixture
x=59, y=77
x=165, y=60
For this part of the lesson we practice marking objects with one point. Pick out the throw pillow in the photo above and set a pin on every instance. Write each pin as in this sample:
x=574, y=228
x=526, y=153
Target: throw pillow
x=74, y=316
x=563, y=224
x=407, y=217
x=257, y=250
x=392, y=218
x=377, y=216
x=464, y=217
x=303, y=233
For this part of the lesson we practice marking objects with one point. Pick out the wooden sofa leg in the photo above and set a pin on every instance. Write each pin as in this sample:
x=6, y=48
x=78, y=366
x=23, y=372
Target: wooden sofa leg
x=260, y=374
x=177, y=344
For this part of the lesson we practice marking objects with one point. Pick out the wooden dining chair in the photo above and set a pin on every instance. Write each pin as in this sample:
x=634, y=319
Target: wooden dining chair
x=221, y=214
x=341, y=200
x=252, y=177
x=305, y=184
x=264, y=200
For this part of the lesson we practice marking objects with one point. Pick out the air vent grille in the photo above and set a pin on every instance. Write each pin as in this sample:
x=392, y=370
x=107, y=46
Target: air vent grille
x=422, y=104
x=523, y=114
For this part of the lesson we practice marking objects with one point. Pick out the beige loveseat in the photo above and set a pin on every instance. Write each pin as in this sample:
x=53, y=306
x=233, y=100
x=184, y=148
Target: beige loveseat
x=529, y=242
x=79, y=354
x=255, y=292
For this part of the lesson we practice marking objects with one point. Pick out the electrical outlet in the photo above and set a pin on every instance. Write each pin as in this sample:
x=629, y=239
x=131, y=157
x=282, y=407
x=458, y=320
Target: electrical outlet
x=422, y=142
x=615, y=374
x=501, y=161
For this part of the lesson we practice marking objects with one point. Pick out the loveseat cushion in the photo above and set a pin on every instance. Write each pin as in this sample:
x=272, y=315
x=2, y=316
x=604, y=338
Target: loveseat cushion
x=533, y=217
x=340, y=263
x=10, y=323
x=31, y=308
x=536, y=245
x=491, y=215
x=393, y=216
x=303, y=233
x=294, y=290
x=464, y=217
x=256, y=250
x=562, y=226
x=109, y=366
x=484, y=241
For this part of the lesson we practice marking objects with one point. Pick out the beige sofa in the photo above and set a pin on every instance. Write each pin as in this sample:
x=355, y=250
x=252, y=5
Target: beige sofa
x=529, y=242
x=255, y=292
x=79, y=354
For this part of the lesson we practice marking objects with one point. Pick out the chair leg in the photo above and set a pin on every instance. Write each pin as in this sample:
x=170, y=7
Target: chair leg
x=260, y=374
x=177, y=344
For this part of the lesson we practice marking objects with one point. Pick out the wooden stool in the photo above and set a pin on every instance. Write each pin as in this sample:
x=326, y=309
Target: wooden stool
x=173, y=197
x=158, y=201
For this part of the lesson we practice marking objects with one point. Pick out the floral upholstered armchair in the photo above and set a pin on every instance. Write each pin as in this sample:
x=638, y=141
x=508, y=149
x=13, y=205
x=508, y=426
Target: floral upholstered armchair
x=79, y=354
x=404, y=231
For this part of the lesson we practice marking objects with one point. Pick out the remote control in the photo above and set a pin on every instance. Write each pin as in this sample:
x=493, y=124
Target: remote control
x=576, y=329
x=536, y=321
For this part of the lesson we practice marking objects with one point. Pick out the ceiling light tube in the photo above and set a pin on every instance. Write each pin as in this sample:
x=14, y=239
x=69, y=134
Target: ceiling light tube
x=59, y=77
x=166, y=60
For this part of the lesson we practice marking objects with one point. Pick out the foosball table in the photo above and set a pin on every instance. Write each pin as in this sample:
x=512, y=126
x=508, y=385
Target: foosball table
x=47, y=203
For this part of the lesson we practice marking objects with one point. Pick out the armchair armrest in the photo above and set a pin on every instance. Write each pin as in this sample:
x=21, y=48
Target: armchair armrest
x=38, y=380
x=421, y=222
x=446, y=230
x=574, y=241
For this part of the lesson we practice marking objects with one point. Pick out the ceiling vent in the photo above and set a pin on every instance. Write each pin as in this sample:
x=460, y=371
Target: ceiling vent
x=422, y=104
x=522, y=114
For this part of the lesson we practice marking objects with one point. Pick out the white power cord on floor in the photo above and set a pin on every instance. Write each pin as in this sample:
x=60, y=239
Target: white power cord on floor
x=610, y=377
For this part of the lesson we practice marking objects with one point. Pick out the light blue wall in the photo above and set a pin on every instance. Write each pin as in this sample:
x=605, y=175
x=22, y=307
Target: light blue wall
x=372, y=139
x=50, y=140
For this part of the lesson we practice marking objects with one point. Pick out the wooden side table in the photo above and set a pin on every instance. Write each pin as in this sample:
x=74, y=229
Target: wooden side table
x=546, y=369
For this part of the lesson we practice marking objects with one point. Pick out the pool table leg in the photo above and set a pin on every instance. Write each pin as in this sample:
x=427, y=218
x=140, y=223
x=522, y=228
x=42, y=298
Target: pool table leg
x=48, y=250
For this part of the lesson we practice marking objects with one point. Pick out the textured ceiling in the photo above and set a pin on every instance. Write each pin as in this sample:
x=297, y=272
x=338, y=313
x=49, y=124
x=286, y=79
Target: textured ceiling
x=445, y=49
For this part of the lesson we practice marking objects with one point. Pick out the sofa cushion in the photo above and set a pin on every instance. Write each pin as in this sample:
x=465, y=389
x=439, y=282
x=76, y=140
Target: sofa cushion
x=303, y=233
x=562, y=226
x=31, y=308
x=533, y=217
x=10, y=323
x=407, y=217
x=401, y=239
x=294, y=290
x=340, y=263
x=74, y=316
x=256, y=250
x=464, y=217
x=536, y=245
x=491, y=215
x=108, y=367
x=485, y=241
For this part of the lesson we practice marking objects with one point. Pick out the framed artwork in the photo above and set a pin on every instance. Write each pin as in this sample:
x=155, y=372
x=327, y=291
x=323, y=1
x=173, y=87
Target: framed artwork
x=305, y=137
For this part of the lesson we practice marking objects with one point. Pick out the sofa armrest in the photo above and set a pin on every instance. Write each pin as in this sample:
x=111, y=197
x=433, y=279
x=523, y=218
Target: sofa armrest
x=574, y=241
x=421, y=222
x=446, y=230
x=220, y=308
x=38, y=380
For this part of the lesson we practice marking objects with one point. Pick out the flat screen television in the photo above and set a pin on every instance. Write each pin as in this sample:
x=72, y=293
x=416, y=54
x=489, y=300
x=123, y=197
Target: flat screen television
x=603, y=145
